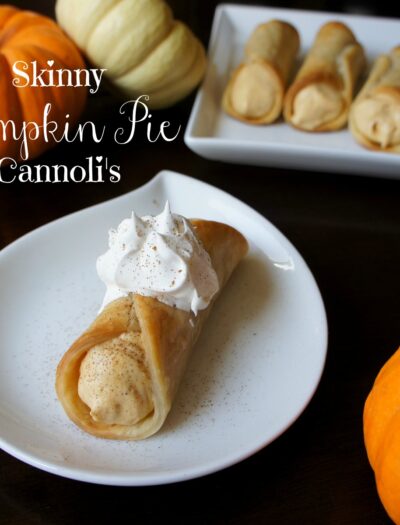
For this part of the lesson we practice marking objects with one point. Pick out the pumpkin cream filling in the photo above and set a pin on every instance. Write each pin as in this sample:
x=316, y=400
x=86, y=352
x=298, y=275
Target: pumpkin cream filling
x=378, y=118
x=316, y=105
x=114, y=381
x=254, y=91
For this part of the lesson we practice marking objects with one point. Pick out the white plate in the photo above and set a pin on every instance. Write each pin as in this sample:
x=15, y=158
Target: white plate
x=214, y=135
x=253, y=371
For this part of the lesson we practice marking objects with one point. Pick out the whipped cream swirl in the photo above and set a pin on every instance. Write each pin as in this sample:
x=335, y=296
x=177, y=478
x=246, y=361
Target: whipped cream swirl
x=160, y=257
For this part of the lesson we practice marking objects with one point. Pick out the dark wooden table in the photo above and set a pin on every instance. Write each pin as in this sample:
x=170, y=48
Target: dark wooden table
x=348, y=230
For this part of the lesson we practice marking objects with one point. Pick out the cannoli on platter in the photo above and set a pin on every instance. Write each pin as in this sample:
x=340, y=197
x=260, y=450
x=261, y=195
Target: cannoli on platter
x=320, y=97
x=375, y=114
x=256, y=89
x=119, y=379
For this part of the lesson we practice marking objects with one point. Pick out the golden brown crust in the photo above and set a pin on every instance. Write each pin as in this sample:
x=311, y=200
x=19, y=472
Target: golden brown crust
x=384, y=79
x=336, y=59
x=167, y=335
x=277, y=42
x=274, y=46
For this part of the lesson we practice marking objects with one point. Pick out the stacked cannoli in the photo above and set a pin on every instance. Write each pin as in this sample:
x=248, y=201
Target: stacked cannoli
x=321, y=96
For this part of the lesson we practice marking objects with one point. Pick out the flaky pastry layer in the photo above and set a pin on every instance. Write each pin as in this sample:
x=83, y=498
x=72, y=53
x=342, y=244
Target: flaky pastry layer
x=255, y=91
x=165, y=336
x=335, y=60
x=382, y=87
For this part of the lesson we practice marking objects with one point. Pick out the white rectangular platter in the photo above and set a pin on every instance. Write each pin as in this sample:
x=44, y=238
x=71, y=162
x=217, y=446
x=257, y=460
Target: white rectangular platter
x=216, y=136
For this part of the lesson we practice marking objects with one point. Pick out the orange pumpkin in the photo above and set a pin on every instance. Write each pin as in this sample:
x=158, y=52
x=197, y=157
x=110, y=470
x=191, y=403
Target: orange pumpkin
x=29, y=37
x=382, y=434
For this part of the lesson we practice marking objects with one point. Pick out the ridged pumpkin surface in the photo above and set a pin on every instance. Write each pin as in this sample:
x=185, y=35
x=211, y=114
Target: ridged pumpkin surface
x=28, y=37
x=144, y=50
x=382, y=434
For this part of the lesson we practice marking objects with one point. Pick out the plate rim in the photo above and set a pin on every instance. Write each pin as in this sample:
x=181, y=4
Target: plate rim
x=101, y=476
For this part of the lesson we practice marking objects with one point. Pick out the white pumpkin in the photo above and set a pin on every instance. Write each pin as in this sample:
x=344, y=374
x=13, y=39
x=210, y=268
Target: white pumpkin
x=145, y=51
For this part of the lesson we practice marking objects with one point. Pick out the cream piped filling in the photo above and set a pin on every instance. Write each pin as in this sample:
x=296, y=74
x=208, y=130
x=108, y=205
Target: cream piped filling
x=254, y=91
x=316, y=105
x=114, y=382
x=377, y=117
x=158, y=257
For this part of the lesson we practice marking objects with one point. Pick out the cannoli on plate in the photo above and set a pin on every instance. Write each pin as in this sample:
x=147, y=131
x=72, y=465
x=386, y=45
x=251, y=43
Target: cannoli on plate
x=320, y=97
x=255, y=91
x=375, y=114
x=119, y=378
